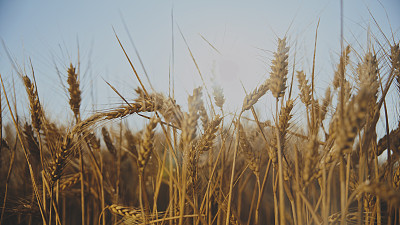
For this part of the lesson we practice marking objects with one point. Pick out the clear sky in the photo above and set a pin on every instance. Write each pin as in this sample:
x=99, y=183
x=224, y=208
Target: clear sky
x=244, y=33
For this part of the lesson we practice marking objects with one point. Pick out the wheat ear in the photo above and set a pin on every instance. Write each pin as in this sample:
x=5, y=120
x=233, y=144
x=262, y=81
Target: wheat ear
x=279, y=70
x=355, y=113
x=343, y=62
x=218, y=94
x=367, y=72
x=305, y=88
x=126, y=211
x=74, y=92
x=70, y=181
x=60, y=160
x=107, y=140
x=284, y=120
x=254, y=96
x=206, y=141
x=146, y=146
x=247, y=150
x=34, y=104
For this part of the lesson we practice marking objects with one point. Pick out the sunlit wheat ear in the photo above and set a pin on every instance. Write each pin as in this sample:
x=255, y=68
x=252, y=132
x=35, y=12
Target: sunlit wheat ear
x=247, y=150
x=395, y=56
x=203, y=114
x=351, y=218
x=69, y=182
x=254, y=96
x=155, y=99
x=394, y=138
x=189, y=124
x=344, y=61
x=316, y=108
x=126, y=212
x=284, y=120
x=189, y=127
x=206, y=141
x=218, y=94
x=283, y=126
x=355, y=113
x=305, y=88
x=272, y=153
x=52, y=133
x=172, y=112
x=74, y=91
x=310, y=158
x=233, y=219
x=107, y=140
x=326, y=102
x=383, y=190
x=279, y=70
x=114, y=113
x=369, y=202
x=396, y=177
x=395, y=61
x=146, y=146
x=367, y=72
x=34, y=104
x=60, y=159
x=93, y=141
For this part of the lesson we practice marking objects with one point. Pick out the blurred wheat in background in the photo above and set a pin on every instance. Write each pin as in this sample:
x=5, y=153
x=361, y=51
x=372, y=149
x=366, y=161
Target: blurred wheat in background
x=313, y=161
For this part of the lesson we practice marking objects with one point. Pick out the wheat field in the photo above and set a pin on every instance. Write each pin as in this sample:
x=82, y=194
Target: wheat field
x=195, y=163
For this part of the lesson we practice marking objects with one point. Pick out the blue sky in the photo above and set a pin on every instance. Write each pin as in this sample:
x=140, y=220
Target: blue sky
x=244, y=32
